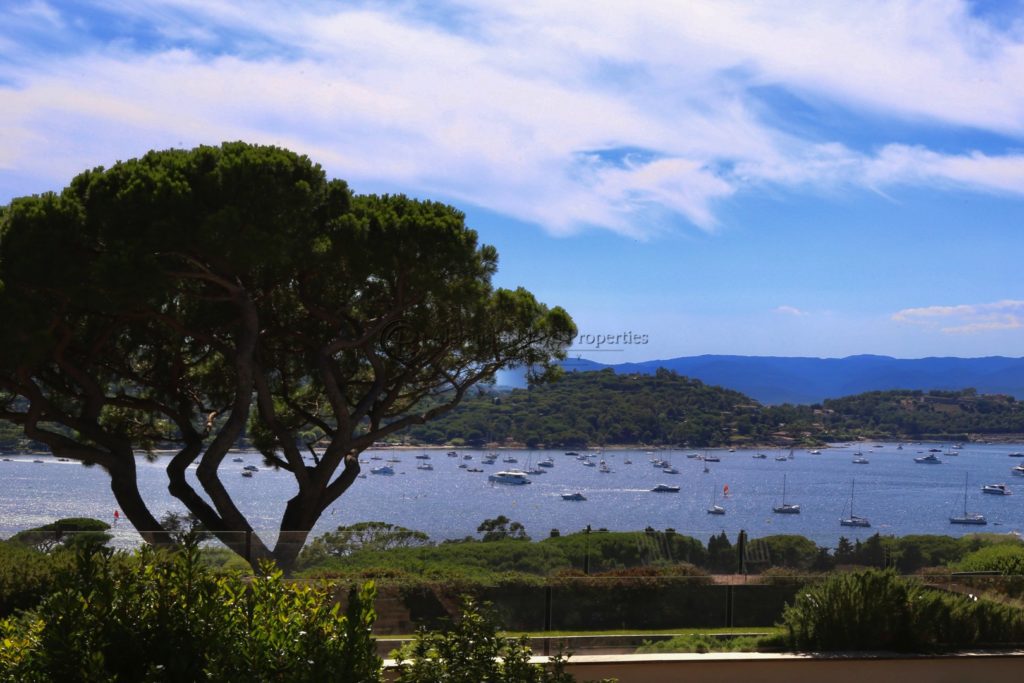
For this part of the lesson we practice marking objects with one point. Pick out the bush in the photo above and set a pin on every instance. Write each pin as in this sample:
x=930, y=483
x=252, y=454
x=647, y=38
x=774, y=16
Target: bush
x=71, y=532
x=878, y=610
x=470, y=651
x=1004, y=558
x=26, y=576
x=168, y=617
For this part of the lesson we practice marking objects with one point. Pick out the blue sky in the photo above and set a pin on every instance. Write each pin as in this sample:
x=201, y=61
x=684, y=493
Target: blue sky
x=758, y=178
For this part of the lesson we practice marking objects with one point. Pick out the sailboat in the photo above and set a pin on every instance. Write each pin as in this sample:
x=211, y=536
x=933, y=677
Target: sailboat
x=853, y=520
x=786, y=508
x=716, y=509
x=968, y=518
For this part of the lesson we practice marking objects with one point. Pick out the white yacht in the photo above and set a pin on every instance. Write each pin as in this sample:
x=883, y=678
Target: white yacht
x=513, y=477
x=997, y=489
x=383, y=469
x=929, y=459
x=665, y=488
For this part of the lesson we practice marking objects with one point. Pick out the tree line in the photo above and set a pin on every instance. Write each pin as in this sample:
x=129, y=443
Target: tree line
x=598, y=408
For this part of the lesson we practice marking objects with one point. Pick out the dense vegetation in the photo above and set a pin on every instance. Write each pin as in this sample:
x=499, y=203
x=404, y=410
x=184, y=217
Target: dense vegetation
x=598, y=408
x=84, y=613
x=592, y=408
x=878, y=610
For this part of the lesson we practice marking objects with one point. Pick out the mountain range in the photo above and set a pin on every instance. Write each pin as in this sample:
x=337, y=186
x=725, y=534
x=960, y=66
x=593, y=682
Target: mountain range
x=775, y=379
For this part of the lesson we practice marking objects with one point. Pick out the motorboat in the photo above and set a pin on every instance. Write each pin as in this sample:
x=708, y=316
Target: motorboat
x=251, y=468
x=715, y=458
x=423, y=456
x=1016, y=454
x=509, y=459
x=236, y=459
x=996, y=489
x=511, y=477
x=665, y=488
x=424, y=466
x=452, y=454
x=693, y=455
x=1018, y=470
x=670, y=470
x=474, y=469
x=246, y=473
x=589, y=463
x=968, y=517
x=781, y=458
x=572, y=453
x=929, y=459
x=861, y=460
x=759, y=456
x=814, y=452
x=573, y=496
x=786, y=508
x=383, y=469
x=854, y=520
x=546, y=463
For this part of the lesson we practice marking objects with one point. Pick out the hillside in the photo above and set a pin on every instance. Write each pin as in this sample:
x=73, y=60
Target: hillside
x=596, y=408
x=603, y=407
x=775, y=380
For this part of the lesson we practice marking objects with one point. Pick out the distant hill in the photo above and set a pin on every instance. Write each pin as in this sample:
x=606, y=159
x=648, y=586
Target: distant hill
x=773, y=380
x=605, y=407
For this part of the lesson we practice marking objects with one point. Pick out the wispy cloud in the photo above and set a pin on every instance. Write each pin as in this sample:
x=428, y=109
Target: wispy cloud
x=514, y=108
x=790, y=310
x=966, y=318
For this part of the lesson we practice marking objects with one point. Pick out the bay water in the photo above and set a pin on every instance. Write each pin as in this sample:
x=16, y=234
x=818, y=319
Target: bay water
x=898, y=495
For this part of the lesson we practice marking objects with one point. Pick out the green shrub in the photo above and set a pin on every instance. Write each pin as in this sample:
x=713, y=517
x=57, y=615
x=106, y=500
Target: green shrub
x=471, y=651
x=1005, y=558
x=857, y=611
x=70, y=532
x=26, y=576
x=168, y=617
x=878, y=610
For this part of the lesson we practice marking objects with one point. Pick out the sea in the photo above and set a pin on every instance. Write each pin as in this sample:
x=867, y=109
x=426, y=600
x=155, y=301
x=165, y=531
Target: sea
x=897, y=494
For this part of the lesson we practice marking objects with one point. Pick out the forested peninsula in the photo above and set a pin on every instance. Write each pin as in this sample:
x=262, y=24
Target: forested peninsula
x=602, y=408
x=586, y=409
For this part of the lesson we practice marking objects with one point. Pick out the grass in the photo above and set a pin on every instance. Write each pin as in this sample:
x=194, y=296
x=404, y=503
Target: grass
x=713, y=632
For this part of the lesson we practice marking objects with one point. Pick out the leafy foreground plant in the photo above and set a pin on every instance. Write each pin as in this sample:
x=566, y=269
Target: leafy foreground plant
x=472, y=651
x=158, y=616
x=878, y=610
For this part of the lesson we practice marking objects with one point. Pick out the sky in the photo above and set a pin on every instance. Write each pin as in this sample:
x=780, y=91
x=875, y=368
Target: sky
x=755, y=178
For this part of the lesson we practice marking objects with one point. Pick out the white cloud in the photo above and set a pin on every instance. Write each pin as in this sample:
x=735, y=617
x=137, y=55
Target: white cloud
x=523, y=108
x=790, y=310
x=966, y=318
